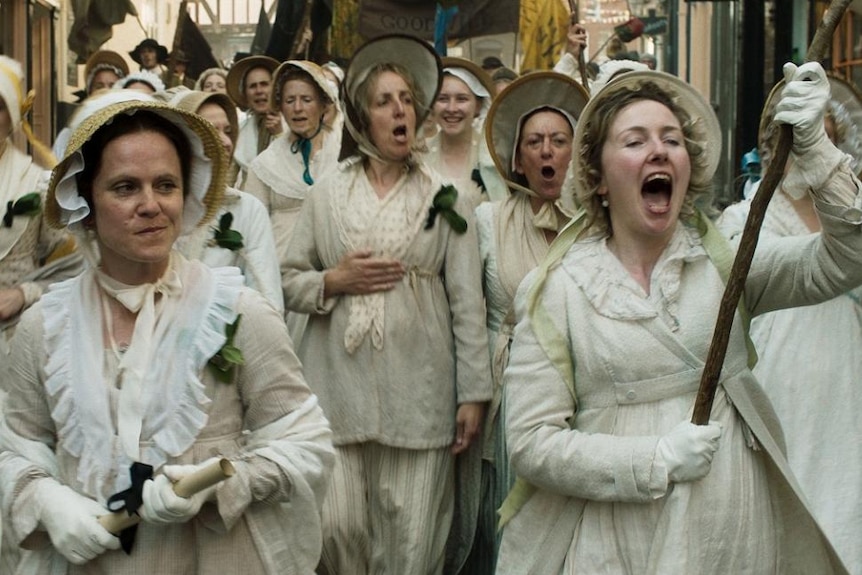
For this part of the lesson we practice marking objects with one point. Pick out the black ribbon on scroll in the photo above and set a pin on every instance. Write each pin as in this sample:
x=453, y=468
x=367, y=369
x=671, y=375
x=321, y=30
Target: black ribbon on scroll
x=130, y=501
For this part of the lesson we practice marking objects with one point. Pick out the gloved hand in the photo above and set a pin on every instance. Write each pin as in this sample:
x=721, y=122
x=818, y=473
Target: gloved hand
x=162, y=505
x=687, y=450
x=803, y=105
x=71, y=522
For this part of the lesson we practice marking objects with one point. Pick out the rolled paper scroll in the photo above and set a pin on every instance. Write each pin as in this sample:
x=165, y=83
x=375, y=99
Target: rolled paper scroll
x=186, y=487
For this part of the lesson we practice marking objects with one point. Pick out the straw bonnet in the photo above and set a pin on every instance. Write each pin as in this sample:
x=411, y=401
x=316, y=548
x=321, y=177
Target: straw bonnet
x=845, y=106
x=199, y=84
x=192, y=100
x=161, y=51
x=406, y=51
x=105, y=60
x=534, y=91
x=236, y=76
x=704, y=121
x=205, y=188
x=311, y=69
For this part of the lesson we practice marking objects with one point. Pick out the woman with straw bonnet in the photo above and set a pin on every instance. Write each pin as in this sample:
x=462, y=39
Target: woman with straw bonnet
x=239, y=234
x=249, y=84
x=282, y=175
x=613, y=329
x=149, y=365
x=31, y=253
x=529, y=128
x=387, y=266
x=810, y=358
x=458, y=149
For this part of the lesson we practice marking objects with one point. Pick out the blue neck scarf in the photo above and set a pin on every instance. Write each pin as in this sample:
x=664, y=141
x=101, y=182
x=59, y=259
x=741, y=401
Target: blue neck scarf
x=303, y=145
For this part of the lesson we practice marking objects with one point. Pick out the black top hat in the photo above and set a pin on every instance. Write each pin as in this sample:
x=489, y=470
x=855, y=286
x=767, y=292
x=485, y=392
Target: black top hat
x=161, y=51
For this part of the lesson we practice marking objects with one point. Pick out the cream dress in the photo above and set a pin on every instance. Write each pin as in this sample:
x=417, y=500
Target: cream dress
x=603, y=502
x=62, y=421
x=810, y=365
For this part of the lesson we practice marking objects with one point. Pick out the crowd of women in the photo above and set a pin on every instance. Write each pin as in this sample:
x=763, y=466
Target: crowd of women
x=419, y=326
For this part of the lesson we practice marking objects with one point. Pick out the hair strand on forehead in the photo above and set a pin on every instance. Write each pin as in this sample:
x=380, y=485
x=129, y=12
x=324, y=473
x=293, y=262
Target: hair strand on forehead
x=699, y=194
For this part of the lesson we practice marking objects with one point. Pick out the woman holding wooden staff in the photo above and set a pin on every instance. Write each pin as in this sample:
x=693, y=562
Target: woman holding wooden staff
x=613, y=330
x=140, y=371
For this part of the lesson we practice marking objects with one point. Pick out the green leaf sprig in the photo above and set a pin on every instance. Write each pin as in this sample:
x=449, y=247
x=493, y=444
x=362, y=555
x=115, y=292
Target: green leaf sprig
x=224, y=363
x=27, y=205
x=224, y=236
x=444, y=204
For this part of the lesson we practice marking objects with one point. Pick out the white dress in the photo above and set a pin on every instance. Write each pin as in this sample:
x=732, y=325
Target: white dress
x=810, y=365
x=603, y=503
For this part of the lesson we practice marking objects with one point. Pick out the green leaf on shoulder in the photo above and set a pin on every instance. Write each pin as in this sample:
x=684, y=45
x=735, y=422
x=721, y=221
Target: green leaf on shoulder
x=444, y=205
x=223, y=364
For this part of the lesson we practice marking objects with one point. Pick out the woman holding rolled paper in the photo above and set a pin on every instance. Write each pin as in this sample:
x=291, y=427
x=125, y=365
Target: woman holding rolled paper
x=142, y=370
x=612, y=334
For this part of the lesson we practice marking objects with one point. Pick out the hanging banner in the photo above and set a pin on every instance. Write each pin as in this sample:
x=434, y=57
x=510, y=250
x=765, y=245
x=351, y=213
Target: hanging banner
x=474, y=18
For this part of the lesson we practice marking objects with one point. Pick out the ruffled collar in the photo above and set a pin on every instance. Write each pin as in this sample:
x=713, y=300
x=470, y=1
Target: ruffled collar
x=615, y=294
x=282, y=169
x=188, y=329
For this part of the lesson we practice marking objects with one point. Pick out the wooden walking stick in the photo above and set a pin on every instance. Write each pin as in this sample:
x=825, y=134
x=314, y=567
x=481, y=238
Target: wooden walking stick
x=582, y=65
x=742, y=263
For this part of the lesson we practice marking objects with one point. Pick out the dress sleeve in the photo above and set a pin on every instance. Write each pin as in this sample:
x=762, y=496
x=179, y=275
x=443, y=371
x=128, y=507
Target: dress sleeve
x=805, y=270
x=260, y=253
x=289, y=451
x=543, y=448
x=27, y=432
x=463, y=283
x=302, y=271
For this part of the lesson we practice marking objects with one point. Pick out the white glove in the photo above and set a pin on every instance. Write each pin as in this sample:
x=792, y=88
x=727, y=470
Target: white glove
x=162, y=505
x=687, y=450
x=71, y=522
x=803, y=105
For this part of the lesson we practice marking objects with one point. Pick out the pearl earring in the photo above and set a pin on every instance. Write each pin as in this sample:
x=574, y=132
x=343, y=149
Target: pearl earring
x=604, y=202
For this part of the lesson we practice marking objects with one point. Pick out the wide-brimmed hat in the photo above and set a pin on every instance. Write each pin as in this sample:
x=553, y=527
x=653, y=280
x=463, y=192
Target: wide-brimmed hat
x=524, y=95
x=707, y=131
x=106, y=59
x=66, y=208
x=199, y=83
x=311, y=69
x=161, y=51
x=846, y=108
x=192, y=100
x=236, y=76
x=410, y=53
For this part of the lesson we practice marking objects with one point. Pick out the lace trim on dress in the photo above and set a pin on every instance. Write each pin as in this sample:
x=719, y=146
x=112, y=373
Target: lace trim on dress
x=614, y=294
x=176, y=405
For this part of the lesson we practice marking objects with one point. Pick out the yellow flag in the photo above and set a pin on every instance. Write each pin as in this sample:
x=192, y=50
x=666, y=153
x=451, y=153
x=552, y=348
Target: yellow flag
x=543, y=27
x=345, y=28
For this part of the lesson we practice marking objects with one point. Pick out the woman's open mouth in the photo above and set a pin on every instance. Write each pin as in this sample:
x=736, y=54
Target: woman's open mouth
x=548, y=172
x=656, y=192
x=400, y=133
